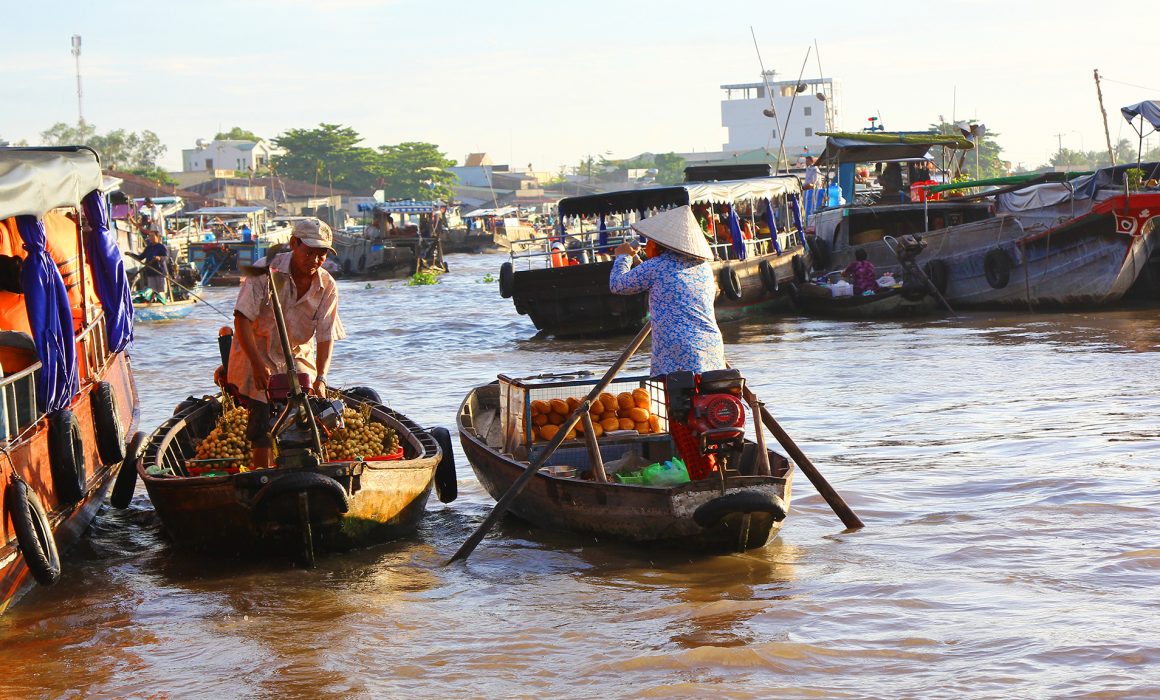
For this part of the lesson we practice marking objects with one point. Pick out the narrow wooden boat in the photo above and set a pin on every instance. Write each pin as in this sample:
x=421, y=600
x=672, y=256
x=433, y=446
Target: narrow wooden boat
x=741, y=510
x=67, y=394
x=815, y=299
x=335, y=507
x=148, y=311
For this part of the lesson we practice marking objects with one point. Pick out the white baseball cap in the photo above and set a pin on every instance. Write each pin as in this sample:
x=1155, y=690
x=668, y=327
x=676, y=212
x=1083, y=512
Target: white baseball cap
x=314, y=233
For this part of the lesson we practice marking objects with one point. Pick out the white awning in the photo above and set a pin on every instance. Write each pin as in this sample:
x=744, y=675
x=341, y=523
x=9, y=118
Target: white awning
x=33, y=182
x=730, y=191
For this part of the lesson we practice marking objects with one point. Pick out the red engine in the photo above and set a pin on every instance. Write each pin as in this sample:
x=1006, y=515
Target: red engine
x=717, y=412
x=706, y=417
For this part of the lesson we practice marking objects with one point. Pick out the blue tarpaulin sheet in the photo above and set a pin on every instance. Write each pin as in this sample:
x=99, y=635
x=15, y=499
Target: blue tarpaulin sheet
x=735, y=234
x=108, y=273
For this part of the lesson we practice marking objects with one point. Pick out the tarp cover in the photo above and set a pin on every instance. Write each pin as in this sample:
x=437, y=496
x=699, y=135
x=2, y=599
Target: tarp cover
x=877, y=148
x=1085, y=187
x=408, y=206
x=109, y=277
x=724, y=192
x=35, y=181
x=1149, y=109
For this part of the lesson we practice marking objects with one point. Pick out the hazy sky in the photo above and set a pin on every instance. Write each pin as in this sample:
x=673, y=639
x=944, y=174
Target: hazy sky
x=548, y=82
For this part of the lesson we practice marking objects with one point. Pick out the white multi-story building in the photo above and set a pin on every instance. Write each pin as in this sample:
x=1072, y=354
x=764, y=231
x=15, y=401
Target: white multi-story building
x=746, y=112
x=240, y=156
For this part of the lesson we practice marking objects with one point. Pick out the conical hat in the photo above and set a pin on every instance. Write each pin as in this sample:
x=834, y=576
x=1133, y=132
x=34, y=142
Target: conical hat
x=677, y=229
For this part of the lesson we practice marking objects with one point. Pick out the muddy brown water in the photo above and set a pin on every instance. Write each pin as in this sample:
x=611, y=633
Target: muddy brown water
x=1006, y=466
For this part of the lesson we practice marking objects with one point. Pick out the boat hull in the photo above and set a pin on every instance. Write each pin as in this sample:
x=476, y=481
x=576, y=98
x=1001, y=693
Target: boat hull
x=163, y=312
x=360, y=257
x=815, y=300
x=641, y=514
x=267, y=511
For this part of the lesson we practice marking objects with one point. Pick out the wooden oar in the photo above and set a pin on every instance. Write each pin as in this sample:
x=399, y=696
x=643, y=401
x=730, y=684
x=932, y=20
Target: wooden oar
x=518, y=485
x=843, y=511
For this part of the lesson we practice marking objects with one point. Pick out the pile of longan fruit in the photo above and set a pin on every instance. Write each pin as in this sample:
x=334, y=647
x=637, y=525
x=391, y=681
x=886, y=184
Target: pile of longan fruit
x=626, y=411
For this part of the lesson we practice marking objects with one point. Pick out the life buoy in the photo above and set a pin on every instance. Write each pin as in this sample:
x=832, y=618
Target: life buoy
x=107, y=422
x=446, y=484
x=997, y=266
x=126, y=482
x=744, y=502
x=936, y=272
x=768, y=277
x=365, y=393
x=820, y=253
x=66, y=456
x=33, y=533
x=507, y=279
x=730, y=283
x=799, y=268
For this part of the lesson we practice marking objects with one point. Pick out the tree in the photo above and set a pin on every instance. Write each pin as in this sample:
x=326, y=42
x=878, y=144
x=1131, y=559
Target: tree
x=1125, y=151
x=414, y=170
x=119, y=149
x=236, y=134
x=329, y=153
x=987, y=154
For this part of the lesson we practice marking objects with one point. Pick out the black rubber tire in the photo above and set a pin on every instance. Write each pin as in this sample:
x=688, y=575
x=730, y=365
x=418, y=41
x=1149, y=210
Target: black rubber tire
x=820, y=253
x=711, y=513
x=768, y=277
x=997, y=266
x=936, y=272
x=446, y=483
x=365, y=393
x=800, y=273
x=507, y=280
x=913, y=290
x=362, y=262
x=126, y=482
x=185, y=405
x=730, y=283
x=66, y=456
x=33, y=532
x=107, y=421
x=300, y=481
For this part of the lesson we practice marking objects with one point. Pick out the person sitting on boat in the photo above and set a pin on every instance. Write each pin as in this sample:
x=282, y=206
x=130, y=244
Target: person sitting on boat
x=155, y=257
x=681, y=290
x=309, y=297
x=861, y=273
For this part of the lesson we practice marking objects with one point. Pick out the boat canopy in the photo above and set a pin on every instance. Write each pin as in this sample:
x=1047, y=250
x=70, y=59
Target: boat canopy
x=34, y=181
x=408, y=206
x=1148, y=109
x=723, y=192
x=502, y=211
x=226, y=211
x=857, y=147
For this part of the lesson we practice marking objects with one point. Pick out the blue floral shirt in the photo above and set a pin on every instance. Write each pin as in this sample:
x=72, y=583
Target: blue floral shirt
x=680, y=290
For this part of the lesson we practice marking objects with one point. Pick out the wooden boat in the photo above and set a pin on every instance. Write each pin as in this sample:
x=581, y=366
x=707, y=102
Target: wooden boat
x=571, y=297
x=1059, y=240
x=291, y=511
x=63, y=421
x=350, y=504
x=743, y=510
x=224, y=252
x=407, y=248
x=149, y=311
x=814, y=299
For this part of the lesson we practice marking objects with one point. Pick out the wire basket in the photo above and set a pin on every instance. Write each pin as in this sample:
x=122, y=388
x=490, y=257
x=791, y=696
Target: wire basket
x=524, y=420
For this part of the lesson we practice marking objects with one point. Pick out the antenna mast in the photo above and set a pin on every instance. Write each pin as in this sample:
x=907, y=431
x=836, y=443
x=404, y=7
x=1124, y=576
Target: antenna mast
x=76, y=52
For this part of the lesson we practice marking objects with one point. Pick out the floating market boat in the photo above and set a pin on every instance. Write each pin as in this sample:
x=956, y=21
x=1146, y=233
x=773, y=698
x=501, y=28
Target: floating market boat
x=226, y=248
x=222, y=506
x=755, y=230
x=67, y=394
x=607, y=493
x=395, y=248
x=152, y=307
x=1055, y=240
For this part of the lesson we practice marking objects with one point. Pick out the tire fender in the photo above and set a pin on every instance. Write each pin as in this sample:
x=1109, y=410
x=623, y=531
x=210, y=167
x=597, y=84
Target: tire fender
x=365, y=393
x=997, y=266
x=507, y=279
x=820, y=253
x=107, y=421
x=300, y=481
x=66, y=456
x=729, y=282
x=800, y=272
x=768, y=277
x=711, y=513
x=126, y=482
x=446, y=483
x=936, y=272
x=33, y=532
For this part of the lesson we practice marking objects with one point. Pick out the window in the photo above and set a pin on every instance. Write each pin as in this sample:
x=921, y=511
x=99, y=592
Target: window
x=807, y=111
x=809, y=131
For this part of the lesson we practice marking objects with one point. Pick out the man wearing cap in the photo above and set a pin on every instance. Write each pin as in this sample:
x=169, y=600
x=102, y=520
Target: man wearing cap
x=681, y=290
x=309, y=299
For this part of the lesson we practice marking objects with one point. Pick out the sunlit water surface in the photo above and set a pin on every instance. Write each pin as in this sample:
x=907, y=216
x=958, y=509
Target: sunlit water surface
x=1007, y=467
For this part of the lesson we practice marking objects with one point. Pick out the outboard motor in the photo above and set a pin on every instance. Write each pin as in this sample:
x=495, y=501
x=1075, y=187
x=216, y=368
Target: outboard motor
x=708, y=407
x=295, y=429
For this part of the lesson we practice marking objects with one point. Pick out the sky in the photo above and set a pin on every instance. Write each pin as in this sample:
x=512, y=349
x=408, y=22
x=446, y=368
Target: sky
x=550, y=83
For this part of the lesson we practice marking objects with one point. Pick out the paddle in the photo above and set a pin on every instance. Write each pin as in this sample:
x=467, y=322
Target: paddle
x=518, y=485
x=843, y=511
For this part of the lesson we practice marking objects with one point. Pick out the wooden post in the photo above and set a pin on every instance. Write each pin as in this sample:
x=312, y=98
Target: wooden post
x=1104, y=113
x=593, y=449
x=763, y=467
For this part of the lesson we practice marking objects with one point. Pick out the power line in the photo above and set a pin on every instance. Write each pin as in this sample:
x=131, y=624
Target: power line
x=1120, y=82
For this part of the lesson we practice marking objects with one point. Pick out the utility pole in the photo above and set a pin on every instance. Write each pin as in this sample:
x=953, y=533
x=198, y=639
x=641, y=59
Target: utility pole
x=76, y=52
x=1059, y=137
x=1107, y=135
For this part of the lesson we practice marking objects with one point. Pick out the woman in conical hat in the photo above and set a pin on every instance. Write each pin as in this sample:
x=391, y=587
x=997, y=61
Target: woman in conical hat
x=681, y=290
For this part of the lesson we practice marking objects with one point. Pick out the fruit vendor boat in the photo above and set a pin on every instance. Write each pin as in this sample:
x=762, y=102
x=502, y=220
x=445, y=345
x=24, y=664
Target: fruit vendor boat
x=67, y=395
x=300, y=507
x=756, y=232
x=591, y=484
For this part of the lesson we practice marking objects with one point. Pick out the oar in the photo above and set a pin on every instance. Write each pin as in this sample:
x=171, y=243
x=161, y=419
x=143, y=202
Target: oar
x=518, y=485
x=187, y=289
x=843, y=511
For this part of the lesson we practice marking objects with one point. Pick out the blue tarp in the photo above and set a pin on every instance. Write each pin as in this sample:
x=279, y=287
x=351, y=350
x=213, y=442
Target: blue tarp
x=51, y=319
x=772, y=224
x=602, y=240
x=108, y=273
x=735, y=234
x=1148, y=109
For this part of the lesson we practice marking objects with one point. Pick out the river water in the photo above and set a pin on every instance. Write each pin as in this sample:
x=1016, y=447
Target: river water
x=1007, y=467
